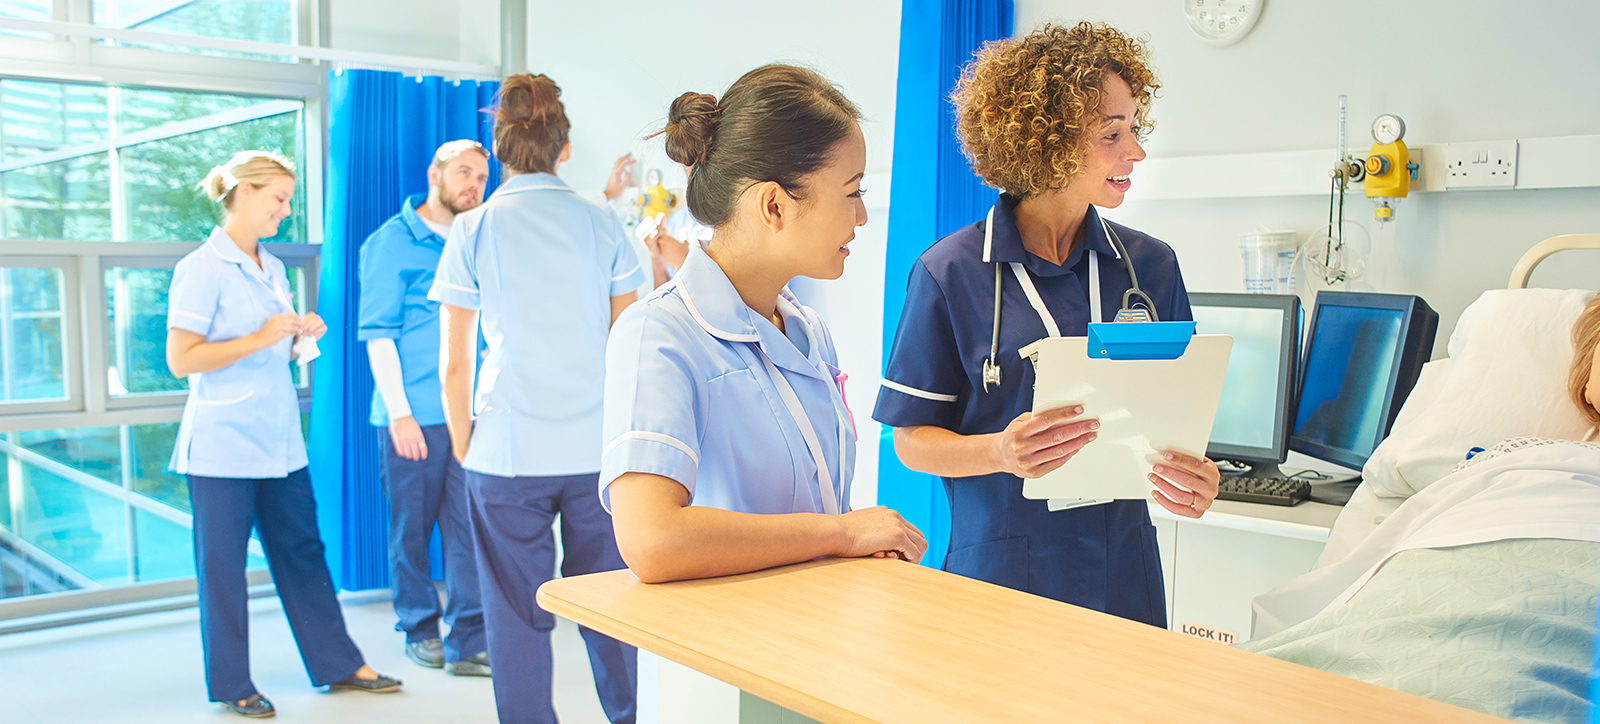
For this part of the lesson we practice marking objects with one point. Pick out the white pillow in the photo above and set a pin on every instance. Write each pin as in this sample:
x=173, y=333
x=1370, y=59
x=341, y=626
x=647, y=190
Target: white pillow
x=1506, y=377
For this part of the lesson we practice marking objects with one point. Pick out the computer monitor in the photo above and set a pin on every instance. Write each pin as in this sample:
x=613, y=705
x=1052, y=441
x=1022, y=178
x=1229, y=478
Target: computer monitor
x=1363, y=355
x=1255, y=414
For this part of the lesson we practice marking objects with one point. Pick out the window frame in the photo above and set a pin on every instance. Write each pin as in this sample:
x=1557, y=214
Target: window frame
x=72, y=368
x=74, y=53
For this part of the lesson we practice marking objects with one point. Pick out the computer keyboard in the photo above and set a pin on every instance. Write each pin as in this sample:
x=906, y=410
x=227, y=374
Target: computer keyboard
x=1272, y=491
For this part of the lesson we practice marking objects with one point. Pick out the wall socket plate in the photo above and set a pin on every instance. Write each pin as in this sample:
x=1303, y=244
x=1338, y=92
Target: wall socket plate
x=1480, y=165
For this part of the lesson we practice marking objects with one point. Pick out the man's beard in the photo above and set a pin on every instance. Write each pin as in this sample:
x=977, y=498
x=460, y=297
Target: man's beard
x=452, y=200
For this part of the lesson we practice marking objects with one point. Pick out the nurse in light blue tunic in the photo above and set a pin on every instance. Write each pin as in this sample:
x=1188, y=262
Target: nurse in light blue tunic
x=231, y=327
x=729, y=445
x=544, y=273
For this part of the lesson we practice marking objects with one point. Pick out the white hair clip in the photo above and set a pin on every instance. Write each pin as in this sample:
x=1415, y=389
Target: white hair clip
x=228, y=179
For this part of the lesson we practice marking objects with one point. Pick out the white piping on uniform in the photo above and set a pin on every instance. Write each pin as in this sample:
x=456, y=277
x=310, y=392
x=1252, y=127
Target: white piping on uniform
x=652, y=437
x=694, y=312
x=914, y=392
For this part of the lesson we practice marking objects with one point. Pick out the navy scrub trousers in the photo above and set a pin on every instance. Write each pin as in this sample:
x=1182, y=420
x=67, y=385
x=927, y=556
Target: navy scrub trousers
x=511, y=522
x=285, y=514
x=420, y=493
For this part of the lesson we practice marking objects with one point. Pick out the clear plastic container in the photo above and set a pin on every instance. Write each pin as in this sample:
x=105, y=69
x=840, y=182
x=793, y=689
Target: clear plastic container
x=1268, y=261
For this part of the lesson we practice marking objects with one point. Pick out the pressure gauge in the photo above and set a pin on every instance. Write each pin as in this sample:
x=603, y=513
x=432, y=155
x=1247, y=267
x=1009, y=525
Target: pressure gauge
x=1221, y=22
x=1388, y=129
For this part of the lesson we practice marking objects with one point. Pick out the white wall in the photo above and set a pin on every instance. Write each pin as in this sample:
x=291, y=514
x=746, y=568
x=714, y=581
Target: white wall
x=465, y=30
x=620, y=64
x=1456, y=70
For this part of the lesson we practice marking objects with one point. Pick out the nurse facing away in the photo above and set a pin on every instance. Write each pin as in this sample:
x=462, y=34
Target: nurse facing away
x=230, y=328
x=1054, y=121
x=729, y=447
x=545, y=274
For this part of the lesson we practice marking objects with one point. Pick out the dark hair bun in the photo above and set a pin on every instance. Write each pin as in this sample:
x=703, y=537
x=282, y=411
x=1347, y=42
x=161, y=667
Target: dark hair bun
x=530, y=124
x=692, y=127
x=527, y=99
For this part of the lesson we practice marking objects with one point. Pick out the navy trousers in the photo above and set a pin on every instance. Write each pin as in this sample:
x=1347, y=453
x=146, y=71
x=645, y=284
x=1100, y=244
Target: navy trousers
x=421, y=493
x=511, y=522
x=284, y=513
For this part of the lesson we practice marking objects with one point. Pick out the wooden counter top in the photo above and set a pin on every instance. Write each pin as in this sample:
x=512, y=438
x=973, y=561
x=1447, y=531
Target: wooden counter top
x=877, y=640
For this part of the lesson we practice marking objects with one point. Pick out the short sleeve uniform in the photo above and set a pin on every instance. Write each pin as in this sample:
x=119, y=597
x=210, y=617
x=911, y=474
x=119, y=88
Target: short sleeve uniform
x=698, y=390
x=396, y=269
x=1102, y=557
x=540, y=265
x=242, y=420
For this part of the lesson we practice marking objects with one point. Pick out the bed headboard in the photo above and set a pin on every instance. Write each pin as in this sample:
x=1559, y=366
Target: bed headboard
x=1525, y=265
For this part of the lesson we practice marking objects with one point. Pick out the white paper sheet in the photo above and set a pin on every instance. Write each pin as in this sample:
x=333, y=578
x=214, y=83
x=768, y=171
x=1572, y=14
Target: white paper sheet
x=1144, y=407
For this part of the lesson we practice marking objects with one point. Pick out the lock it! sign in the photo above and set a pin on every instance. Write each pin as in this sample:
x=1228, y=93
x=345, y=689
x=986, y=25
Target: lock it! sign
x=1208, y=633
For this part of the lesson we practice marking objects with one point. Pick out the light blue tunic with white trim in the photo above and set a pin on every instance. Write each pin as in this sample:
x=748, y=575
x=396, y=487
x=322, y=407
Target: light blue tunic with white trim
x=541, y=265
x=690, y=397
x=242, y=420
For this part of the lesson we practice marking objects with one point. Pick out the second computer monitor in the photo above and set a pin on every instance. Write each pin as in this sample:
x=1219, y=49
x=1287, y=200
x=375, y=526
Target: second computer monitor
x=1258, y=393
x=1363, y=355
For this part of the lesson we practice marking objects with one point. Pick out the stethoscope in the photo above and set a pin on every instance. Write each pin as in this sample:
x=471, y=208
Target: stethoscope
x=991, y=370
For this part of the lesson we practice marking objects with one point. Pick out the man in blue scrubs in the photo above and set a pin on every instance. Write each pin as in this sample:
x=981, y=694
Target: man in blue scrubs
x=423, y=481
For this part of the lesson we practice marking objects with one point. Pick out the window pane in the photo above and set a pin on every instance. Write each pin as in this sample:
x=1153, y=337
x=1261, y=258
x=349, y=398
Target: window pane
x=25, y=10
x=143, y=108
x=152, y=448
x=40, y=116
x=160, y=178
x=32, y=335
x=34, y=289
x=77, y=525
x=166, y=549
x=270, y=21
x=96, y=451
x=68, y=199
x=136, y=331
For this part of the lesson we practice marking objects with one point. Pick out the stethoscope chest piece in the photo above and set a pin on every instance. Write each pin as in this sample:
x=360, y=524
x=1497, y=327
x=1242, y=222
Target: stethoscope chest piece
x=991, y=374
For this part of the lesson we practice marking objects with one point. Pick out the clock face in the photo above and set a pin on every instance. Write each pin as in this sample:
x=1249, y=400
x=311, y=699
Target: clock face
x=1388, y=128
x=1221, y=22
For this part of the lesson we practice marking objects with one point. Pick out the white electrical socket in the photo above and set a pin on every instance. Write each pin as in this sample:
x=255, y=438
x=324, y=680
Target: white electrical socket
x=1480, y=165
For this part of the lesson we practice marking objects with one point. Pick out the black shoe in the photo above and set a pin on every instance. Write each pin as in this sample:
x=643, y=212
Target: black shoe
x=380, y=685
x=473, y=666
x=427, y=652
x=255, y=707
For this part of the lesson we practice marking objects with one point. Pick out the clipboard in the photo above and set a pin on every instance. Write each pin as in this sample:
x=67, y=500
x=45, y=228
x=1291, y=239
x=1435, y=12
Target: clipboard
x=1154, y=386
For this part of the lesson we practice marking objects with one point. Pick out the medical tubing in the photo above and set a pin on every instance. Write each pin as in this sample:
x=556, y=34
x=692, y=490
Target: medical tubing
x=1133, y=277
x=994, y=335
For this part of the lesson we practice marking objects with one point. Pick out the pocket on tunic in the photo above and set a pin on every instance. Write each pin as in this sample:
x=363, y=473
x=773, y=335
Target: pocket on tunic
x=226, y=397
x=1002, y=562
x=747, y=463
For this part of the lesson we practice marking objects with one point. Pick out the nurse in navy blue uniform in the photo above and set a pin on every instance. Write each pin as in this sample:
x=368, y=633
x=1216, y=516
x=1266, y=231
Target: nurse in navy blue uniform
x=543, y=273
x=231, y=325
x=1054, y=121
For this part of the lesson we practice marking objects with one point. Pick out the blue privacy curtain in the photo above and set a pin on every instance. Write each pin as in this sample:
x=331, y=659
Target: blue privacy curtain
x=934, y=192
x=382, y=130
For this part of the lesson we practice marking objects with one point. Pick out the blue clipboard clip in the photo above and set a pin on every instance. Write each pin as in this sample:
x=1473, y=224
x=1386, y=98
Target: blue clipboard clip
x=1139, y=340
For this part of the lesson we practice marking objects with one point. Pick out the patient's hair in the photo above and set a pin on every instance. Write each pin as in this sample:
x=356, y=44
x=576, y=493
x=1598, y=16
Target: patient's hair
x=1585, y=336
x=1025, y=108
x=530, y=124
x=776, y=123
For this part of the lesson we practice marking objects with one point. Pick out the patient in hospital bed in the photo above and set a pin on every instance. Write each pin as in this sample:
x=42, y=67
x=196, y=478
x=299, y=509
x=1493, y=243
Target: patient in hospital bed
x=1471, y=581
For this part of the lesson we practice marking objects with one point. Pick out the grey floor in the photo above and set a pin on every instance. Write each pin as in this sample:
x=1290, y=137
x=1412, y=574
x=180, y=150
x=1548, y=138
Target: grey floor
x=148, y=669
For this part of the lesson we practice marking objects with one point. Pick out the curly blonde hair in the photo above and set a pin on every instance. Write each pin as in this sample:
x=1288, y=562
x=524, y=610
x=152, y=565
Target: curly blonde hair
x=1025, y=108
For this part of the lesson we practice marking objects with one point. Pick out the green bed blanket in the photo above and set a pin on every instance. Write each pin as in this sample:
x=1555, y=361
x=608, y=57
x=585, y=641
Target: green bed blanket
x=1506, y=628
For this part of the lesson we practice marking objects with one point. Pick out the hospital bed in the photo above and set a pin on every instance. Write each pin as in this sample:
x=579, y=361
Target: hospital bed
x=1469, y=581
